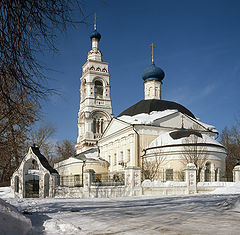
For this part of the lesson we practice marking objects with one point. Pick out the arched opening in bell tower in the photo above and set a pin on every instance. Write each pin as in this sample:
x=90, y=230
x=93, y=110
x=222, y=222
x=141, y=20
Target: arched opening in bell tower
x=99, y=123
x=98, y=89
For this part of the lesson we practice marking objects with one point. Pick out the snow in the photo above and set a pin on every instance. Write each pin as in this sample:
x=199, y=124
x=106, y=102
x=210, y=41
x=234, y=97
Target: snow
x=207, y=126
x=94, y=155
x=198, y=214
x=33, y=172
x=165, y=139
x=190, y=164
x=145, y=118
x=5, y=192
x=56, y=227
x=12, y=221
x=233, y=188
x=155, y=183
x=215, y=184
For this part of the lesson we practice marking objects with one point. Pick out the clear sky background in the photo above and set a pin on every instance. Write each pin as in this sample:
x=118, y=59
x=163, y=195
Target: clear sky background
x=197, y=46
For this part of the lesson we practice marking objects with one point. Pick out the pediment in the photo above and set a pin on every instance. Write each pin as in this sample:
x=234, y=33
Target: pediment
x=114, y=126
x=178, y=120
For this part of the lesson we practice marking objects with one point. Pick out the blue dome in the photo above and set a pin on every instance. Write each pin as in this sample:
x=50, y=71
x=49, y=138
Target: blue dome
x=153, y=73
x=95, y=34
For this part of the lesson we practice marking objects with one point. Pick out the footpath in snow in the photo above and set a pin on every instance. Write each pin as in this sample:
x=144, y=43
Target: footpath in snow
x=198, y=214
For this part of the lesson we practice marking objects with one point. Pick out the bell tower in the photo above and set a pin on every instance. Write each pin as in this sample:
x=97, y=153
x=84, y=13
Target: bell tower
x=95, y=102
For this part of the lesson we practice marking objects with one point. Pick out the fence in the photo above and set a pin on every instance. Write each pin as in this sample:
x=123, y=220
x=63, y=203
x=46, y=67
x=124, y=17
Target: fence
x=169, y=175
x=108, y=179
x=71, y=181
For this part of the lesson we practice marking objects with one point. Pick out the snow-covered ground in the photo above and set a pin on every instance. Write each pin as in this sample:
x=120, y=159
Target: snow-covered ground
x=199, y=214
x=11, y=220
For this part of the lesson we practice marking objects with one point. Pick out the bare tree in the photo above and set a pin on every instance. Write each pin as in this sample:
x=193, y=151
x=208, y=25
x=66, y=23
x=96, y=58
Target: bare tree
x=230, y=138
x=27, y=28
x=194, y=151
x=65, y=150
x=151, y=163
x=13, y=134
x=42, y=138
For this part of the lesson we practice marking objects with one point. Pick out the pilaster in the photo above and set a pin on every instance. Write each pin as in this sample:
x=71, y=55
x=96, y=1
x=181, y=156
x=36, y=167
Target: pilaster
x=191, y=178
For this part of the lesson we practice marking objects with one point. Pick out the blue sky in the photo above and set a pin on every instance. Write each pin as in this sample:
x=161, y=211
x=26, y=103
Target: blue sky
x=197, y=46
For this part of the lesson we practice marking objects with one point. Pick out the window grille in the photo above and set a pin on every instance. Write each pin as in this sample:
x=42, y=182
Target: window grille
x=169, y=174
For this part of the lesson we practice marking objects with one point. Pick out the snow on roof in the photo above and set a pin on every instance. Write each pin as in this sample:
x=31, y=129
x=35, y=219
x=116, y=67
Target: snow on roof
x=207, y=126
x=33, y=172
x=166, y=139
x=90, y=154
x=145, y=118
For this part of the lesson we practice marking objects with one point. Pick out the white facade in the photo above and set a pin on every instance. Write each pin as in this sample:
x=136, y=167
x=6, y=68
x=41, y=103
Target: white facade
x=127, y=140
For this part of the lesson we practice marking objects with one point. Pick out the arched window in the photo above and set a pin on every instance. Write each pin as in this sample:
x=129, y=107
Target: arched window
x=156, y=91
x=16, y=189
x=98, y=89
x=207, y=172
x=94, y=125
x=102, y=125
x=83, y=89
x=98, y=125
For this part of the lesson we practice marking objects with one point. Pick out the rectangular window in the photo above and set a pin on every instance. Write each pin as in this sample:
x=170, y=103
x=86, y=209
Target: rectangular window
x=121, y=157
x=115, y=159
x=169, y=174
x=128, y=155
x=77, y=180
x=109, y=159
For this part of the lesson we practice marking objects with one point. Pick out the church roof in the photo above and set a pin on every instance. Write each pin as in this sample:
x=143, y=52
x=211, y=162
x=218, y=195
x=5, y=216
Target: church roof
x=90, y=153
x=148, y=106
x=183, y=137
x=153, y=73
x=43, y=160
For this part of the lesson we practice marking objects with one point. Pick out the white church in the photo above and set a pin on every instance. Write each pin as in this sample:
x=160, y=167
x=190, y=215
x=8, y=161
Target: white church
x=158, y=136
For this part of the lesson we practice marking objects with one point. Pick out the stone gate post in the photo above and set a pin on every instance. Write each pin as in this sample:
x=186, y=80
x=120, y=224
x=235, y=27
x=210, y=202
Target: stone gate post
x=191, y=178
x=88, y=177
x=133, y=180
x=236, y=173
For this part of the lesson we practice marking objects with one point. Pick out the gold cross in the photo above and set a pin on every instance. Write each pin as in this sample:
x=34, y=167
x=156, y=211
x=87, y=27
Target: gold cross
x=95, y=21
x=152, y=45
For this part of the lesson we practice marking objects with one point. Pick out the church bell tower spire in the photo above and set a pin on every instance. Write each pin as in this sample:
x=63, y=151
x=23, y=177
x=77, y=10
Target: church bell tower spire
x=95, y=103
